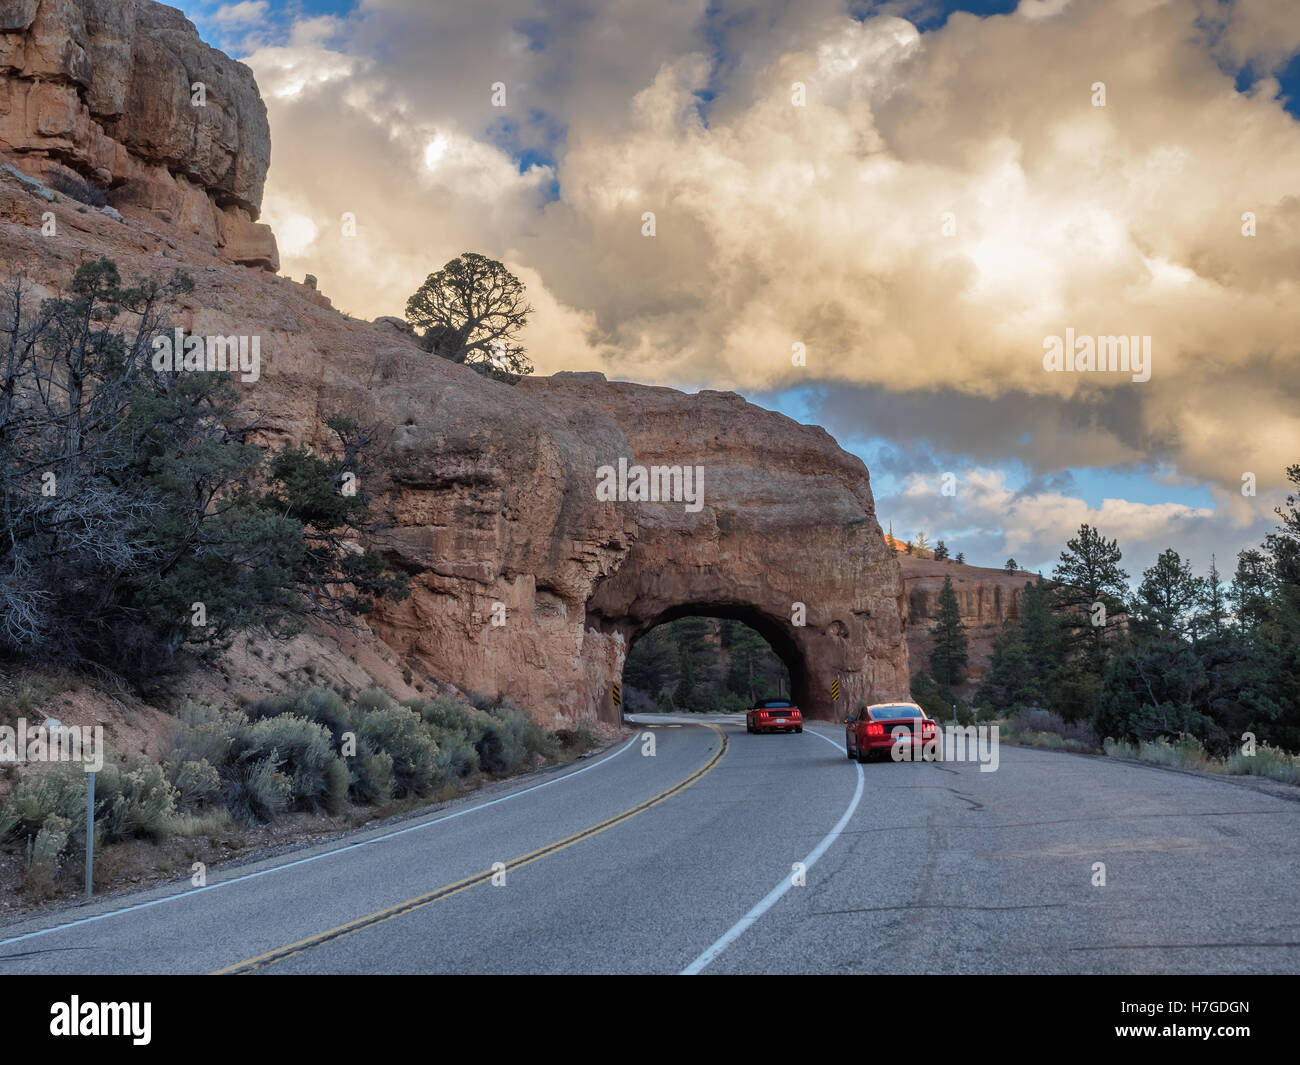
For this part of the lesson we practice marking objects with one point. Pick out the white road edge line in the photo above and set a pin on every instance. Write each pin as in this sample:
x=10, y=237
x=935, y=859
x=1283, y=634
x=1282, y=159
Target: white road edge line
x=345, y=849
x=742, y=926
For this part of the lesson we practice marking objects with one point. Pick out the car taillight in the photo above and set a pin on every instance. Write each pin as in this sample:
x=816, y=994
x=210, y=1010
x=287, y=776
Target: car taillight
x=927, y=729
x=875, y=730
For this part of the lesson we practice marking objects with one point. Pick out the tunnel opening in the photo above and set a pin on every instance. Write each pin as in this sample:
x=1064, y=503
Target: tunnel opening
x=701, y=657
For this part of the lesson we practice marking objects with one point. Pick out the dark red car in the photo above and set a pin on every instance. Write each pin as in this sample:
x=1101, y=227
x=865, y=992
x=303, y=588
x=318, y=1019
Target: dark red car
x=774, y=715
x=870, y=732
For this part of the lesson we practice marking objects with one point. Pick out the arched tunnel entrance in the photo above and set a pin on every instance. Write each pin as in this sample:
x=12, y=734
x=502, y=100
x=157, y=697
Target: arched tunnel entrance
x=789, y=679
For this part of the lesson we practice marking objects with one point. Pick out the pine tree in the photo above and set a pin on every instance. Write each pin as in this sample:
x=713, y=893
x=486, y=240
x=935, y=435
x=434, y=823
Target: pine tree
x=1004, y=685
x=697, y=654
x=940, y=551
x=1088, y=573
x=1213, y=605
x=948, y=659
x=754, y=670
x=1169, y=594
x=652, y=664
x=1253, y=587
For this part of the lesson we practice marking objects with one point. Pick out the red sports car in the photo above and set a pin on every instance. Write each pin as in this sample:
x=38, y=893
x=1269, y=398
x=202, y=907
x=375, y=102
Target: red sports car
x=774, y=715
x=871, y=731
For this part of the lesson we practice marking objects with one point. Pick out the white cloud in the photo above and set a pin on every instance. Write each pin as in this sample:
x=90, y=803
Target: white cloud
x=244, y=13
x=822, y=224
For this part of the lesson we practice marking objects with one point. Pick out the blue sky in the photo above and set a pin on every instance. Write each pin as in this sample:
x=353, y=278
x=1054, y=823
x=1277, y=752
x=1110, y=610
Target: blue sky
x=1158, y=461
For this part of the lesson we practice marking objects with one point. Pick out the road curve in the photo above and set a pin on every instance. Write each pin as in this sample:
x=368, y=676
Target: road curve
x=698, y=848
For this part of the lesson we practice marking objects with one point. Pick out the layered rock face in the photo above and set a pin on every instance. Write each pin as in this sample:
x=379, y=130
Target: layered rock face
x=124, y=94
x=525, y=580
x=986, y=598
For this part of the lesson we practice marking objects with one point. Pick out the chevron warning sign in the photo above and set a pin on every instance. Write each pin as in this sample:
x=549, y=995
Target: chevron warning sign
x=835, y=690
x=618, y=695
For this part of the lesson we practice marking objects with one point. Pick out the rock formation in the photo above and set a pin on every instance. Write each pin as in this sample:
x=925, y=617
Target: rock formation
x=523, y=581
x=124, y=94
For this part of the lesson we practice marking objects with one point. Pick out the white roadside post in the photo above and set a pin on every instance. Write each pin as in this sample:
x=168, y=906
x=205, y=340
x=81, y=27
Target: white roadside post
x=90, y=832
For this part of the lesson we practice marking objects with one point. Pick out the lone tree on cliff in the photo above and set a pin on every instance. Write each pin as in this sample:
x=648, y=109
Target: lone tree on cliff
x=472, y=311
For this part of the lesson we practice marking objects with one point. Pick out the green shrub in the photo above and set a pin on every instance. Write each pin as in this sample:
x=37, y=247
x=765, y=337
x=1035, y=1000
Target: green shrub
x=582, y=738
x=1184, y=753
x=1119, y=748
x=276, y=761
x=373, y=699
x=319, y=705
x=303, y=752
x=483, y=701
x=498, y=751
x=447, y=714
x=373, y=779
x=510, y=737
x=133, y=801
x=1045, y=721
x=387, y=727
x=197, y=784
x=456, y=754
x=529, y=734
x=205, y=734
x=338, y=779
x=58, y=788
x=1267, y=761
x=326, y=708
x=456, y=728
x=44, y=855
x=254, y=789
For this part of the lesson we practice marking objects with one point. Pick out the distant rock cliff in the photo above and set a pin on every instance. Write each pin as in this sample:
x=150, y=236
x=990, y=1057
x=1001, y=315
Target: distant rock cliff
x=986, y=598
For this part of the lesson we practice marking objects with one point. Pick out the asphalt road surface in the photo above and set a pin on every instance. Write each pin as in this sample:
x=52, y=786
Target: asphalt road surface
x=685, y=861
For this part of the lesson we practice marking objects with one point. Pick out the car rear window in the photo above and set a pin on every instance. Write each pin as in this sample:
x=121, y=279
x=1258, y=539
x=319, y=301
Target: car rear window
x=893, y=713
x=774, y=704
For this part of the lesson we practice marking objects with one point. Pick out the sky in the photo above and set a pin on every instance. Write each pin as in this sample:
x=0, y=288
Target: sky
x=916, y=195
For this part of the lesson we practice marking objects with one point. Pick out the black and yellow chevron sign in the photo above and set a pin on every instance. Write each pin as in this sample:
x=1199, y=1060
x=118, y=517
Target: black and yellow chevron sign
x=618, y=695
x=835, y=690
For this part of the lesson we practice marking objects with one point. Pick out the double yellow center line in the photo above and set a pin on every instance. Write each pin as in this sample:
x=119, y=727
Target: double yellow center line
x=447, y=890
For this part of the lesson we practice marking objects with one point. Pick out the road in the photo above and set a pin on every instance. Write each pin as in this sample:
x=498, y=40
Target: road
x=684, y=861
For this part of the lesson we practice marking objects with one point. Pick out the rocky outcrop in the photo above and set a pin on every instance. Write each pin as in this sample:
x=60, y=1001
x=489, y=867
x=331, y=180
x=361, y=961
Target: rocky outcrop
x=124, y=94
x=986, y=598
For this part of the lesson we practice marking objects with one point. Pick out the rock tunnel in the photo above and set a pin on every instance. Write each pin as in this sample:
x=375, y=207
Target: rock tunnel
x=787, y=542
x=501, y=516
x=780, y=635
